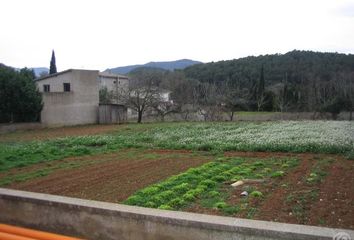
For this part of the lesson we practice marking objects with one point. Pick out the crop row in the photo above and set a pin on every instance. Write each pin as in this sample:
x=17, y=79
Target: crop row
x=203, y=183
x=304, y=136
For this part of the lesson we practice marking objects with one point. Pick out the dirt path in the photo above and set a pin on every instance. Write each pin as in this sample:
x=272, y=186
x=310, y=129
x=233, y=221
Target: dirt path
x=115, y=179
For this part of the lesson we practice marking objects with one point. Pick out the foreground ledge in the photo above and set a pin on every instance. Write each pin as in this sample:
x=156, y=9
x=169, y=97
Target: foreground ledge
x=100, y=220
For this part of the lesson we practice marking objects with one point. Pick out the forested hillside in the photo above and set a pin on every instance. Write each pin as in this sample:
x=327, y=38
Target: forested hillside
x=295, y=81
x=298, y=81
x=294, y=67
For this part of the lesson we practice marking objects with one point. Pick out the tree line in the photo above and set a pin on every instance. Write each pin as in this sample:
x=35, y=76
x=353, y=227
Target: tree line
x=20, y=100
x=298, y=81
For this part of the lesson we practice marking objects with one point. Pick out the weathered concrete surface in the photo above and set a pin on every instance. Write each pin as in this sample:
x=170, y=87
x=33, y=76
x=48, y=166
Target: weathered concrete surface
x=99, y=220
x=79, y=106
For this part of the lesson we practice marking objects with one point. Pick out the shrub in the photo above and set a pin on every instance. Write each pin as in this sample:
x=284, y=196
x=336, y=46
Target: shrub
x=208, y=183
x=194, y=171
x=267, y=170
x=227, y=173
x=165, y=207
x=134, y=200
x=259, y=164
x=259, y=175
x=150, y=205
x=256, y=194
x=285, y=165
x=220, y=205
x=176, y=203
x=236, y=178
x=205, y=147
x=245, y=171
x=200, y=189
x=163, y=197
x=235, y=170
x=229, y=210
x=219, y=178
x=313, y=177
x=277, y=174
x=182, y=188
x=150, y=190
x=188, y=197
x=213, y=194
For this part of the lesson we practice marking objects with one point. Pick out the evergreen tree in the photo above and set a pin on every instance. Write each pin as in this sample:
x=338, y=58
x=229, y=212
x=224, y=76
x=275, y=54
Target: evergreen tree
x=20, y=100
x=53, y=67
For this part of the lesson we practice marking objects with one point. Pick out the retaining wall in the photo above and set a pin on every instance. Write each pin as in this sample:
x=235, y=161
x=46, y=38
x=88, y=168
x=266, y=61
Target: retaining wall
x=99, y=220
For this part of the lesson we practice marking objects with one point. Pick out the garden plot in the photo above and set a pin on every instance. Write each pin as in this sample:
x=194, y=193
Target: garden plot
x=296, y=172
x=105, y=177
x=279, y=188
x=209, y=186
x=304, y=136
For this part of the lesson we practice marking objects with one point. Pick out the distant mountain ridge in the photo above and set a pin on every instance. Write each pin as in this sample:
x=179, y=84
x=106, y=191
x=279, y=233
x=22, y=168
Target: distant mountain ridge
x=40, y=70
x=37, y=70
x=168, y=65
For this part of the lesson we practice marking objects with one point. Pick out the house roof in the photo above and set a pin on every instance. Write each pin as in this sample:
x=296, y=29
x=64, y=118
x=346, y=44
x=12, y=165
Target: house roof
x=62, y=72
x=111, y=75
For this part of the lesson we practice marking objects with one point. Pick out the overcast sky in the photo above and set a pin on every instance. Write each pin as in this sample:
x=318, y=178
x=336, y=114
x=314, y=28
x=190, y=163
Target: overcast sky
x=100, y=34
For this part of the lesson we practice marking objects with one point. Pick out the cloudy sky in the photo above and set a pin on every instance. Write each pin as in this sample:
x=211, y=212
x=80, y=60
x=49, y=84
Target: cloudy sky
x=99, y=34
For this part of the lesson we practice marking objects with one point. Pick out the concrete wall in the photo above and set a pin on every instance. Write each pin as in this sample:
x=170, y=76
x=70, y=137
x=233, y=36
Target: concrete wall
x=111, y=113
x=117, y=84
x=79, y=106
x=99, y=220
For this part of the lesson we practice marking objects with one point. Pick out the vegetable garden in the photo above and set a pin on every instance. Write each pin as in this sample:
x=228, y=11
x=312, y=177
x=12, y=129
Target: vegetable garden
x=298, y=172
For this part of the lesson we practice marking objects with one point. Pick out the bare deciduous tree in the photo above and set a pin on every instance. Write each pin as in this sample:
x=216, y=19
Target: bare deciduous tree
x=140, y=95
x=163, y=108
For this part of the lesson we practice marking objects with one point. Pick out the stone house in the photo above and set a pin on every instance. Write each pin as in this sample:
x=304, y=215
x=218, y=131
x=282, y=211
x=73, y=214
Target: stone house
x=71, y=97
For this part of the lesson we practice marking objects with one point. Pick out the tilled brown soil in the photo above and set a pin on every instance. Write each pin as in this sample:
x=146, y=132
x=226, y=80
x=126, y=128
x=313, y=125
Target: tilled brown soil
x=331, y=206
x=50, y=133
x=336, y=197
x=114, y=177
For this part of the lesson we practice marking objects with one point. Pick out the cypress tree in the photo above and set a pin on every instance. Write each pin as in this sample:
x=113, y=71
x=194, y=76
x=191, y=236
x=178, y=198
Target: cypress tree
x=53, y=67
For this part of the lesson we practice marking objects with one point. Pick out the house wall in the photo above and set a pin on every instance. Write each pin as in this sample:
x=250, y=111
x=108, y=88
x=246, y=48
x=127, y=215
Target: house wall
x=111, y=113
x=165, y=96
x=79, y=106
x=118, y=85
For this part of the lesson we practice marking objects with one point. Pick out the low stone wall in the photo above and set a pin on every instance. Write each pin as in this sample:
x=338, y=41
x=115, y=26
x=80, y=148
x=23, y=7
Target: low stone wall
x=99, y=220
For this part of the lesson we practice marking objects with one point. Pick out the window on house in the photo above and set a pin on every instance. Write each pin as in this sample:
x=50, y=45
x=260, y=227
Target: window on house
x=66, y=87
x=46, y=88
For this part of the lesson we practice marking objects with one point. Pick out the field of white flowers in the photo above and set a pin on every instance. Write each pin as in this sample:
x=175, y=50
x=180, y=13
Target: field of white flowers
x=284, y=136
x=292, y=136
